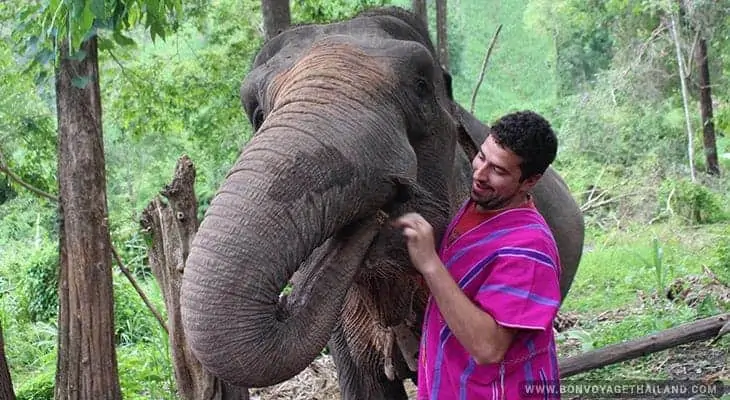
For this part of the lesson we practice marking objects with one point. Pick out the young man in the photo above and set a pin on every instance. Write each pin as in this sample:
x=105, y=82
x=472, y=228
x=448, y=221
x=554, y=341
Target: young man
x=494, y=282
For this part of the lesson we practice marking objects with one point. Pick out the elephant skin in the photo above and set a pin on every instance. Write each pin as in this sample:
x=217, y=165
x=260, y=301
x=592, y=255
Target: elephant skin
x=354, y=124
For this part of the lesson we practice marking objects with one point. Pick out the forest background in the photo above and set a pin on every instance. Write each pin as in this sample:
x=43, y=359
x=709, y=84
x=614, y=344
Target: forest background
x=606, y=73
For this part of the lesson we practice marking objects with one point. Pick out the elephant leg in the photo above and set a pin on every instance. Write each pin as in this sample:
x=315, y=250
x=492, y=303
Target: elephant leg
x=360, y=380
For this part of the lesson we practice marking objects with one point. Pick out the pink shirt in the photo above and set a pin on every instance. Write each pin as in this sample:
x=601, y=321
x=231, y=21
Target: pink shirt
x=509, y=266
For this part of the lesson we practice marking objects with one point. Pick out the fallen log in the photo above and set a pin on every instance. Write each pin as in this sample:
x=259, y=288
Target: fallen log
x=703, y=329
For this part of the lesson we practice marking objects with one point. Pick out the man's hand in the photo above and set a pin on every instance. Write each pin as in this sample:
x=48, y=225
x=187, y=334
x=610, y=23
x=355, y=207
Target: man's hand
x=419, y=235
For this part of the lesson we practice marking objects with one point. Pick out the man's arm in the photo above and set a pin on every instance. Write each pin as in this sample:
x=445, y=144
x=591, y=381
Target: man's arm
x=476, y=330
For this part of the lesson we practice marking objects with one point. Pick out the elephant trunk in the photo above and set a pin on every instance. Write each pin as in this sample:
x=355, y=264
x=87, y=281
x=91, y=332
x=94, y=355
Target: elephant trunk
x=282, y=200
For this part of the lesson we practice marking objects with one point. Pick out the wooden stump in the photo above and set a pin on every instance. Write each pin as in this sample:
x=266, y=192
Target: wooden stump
x=172, y=226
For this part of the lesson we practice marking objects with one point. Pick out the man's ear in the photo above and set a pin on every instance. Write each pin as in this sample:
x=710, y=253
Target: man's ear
x=530, y=182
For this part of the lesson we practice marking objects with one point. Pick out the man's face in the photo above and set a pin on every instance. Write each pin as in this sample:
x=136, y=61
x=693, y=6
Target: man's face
x=496, y=177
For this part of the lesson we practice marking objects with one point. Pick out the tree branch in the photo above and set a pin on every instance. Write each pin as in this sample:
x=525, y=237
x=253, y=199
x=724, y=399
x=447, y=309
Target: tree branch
x=144, y=297
x=484, y=67
x=10, y=174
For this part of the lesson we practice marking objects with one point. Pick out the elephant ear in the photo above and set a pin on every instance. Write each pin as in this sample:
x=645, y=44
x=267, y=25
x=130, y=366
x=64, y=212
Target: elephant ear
x=472, y=132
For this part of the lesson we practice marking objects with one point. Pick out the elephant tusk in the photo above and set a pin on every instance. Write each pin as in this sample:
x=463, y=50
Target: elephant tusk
x=388, y=354
x=408, y=345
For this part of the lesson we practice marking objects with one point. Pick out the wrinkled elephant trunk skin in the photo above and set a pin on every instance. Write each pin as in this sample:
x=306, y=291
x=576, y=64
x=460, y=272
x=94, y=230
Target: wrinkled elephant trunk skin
x=281, y=201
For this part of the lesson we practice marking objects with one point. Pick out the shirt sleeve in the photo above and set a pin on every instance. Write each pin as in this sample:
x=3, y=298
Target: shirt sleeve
x=522, y=289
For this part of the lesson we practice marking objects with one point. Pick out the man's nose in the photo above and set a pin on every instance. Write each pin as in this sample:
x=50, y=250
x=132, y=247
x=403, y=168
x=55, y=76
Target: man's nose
x=480, y=172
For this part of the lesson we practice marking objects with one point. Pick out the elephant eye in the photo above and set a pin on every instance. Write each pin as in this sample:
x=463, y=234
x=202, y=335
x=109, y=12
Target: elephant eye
x=258, y=119
x=421, y=87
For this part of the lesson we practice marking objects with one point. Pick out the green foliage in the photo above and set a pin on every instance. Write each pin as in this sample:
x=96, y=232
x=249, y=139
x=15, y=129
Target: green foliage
x=133, y=322
x=31, y=352
x=145, y=370
x=27, y=133
x=693, y=202
x=74, y=21
x=655, y=262
x=583, y=41
x=322, y=11
x=610, y=129
x=38, y=287
x=38, y=386
x=721, y=266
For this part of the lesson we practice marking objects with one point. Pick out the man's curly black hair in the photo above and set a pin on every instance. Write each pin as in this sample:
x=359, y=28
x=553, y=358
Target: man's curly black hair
x=530, y=136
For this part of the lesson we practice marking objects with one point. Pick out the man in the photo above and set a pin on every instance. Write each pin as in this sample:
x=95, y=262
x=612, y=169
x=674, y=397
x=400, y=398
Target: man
x=494, y=282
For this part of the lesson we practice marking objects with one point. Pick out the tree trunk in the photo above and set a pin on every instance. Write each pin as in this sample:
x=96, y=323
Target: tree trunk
x=277, y=17
x=419, y=8
x=441, y=31
x=683, y=85
x=87, y=364
x=708, y=126
x=6, y=385
x=173, y=226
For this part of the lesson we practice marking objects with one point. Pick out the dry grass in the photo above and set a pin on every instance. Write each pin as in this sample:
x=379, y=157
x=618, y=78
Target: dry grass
x=316, y=382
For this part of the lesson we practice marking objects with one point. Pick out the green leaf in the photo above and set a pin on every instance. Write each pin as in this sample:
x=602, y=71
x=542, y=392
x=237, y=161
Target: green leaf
x=97, y=8
x=122, y=40
x=105, y=43
x=80, y=81
x=87, y=19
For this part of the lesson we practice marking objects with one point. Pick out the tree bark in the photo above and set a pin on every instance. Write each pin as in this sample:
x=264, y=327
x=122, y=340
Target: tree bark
x=173, y=226
x=708, y=125
x=703, y=329
x=6, y=385
x=87, y=364
x=277, y=17
x=419, y=8
x=442, y=33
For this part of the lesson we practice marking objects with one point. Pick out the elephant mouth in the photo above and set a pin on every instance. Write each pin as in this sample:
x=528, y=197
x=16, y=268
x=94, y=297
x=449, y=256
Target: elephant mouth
x=311, y=269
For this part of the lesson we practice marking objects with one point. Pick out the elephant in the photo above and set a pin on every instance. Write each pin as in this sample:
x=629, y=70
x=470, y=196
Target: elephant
x=354, y=123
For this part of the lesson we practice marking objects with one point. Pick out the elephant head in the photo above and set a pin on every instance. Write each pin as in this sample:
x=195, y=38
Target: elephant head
x=353, y=121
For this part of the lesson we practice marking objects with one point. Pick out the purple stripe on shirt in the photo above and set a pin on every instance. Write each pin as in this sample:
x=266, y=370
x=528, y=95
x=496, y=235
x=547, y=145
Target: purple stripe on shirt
x=528, y=365
x=553, y=362
x=520, y=293
x=465, y=378
x=437, y=374
x=534, y=255
x=545, y=384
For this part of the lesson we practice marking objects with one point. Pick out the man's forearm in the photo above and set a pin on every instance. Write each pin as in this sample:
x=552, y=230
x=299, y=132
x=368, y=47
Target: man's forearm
x=475, y=329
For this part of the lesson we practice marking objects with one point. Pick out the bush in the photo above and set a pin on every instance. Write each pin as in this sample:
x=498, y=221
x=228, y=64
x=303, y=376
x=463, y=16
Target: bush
x=721, y=267
x=691, y=201
x=38, y=286
x=133, y=322
x=37, y=386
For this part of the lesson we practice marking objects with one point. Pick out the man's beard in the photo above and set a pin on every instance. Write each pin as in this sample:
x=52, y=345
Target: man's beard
x=490, y=203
